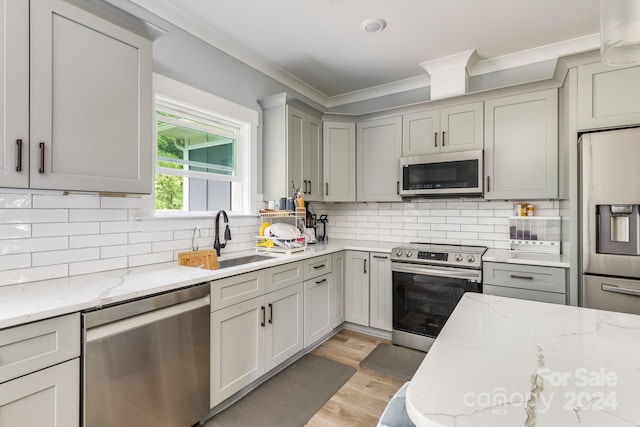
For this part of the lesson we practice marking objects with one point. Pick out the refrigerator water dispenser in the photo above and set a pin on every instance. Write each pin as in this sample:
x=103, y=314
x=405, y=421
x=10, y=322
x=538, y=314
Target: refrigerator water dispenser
x=617, y=229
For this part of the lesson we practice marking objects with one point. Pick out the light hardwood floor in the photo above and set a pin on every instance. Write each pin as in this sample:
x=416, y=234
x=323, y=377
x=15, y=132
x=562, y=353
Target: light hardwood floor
x=362, y=399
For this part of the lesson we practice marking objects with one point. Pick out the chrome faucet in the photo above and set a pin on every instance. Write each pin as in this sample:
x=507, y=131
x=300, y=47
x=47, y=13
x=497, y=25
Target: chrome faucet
x=227, y=233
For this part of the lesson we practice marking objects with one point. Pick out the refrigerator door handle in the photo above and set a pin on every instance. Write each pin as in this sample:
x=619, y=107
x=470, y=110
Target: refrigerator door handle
x=618, y=290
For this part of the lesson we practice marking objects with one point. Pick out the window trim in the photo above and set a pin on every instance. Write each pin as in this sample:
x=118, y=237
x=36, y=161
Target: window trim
x=193, y=99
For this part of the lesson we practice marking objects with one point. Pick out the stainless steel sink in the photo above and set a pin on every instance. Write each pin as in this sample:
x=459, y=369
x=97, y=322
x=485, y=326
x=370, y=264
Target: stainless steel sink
x=232, y=262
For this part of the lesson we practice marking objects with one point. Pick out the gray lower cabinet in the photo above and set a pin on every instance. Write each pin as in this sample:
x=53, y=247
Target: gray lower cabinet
x=535, y=283
x=337, y=305
x=380, y=291
x=40, y=373
x=357, y=288
x=317, y=308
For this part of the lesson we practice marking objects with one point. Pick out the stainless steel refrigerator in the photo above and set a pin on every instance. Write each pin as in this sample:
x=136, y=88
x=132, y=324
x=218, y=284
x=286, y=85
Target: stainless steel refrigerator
x=610, y=220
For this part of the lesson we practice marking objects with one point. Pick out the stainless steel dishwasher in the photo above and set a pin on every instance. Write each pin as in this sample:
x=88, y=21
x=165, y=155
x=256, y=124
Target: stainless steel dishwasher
x=146, y=362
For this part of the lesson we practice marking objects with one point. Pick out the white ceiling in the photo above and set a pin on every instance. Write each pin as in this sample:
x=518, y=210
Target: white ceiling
x=318, y=47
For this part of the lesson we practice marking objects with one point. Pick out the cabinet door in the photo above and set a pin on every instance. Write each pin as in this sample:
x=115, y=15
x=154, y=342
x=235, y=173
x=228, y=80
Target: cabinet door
x=521, y=146
x=380, y=290
x=379, y=145
x=312, y=167
x=357, y=288
x=295, y=139
x=608, y=96
x=339, y=159
x=50, y=397
x=14, y=93
x=90, y=119
x=336, y=304
x=284, y=331
x=462, y=127
x=237, y=345
x=420, y=133
x=317, y=316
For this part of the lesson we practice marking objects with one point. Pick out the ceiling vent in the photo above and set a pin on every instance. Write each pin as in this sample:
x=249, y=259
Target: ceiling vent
x=450, y=75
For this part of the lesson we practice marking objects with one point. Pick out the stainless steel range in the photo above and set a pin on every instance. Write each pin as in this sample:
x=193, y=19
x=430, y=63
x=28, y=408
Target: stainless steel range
x=428, y=281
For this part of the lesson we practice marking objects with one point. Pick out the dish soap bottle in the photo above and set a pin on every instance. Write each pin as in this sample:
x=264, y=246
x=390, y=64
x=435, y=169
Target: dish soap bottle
x=298, y=197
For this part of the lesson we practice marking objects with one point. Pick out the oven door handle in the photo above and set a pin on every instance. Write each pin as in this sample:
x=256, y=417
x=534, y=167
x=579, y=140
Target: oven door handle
x=454, y=273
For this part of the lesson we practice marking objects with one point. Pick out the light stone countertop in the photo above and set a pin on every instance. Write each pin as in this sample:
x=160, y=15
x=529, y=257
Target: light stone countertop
x=503, y=362
x=28, y=302
x=528, y=258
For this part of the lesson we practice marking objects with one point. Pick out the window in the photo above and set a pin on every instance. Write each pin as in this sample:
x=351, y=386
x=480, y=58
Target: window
x=203, y=157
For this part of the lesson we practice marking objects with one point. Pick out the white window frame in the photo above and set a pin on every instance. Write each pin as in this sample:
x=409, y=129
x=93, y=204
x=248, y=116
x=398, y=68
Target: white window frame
x=171, y=96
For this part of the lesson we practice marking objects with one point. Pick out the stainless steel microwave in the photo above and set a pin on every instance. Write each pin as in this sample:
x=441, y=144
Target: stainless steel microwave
x=442, y=175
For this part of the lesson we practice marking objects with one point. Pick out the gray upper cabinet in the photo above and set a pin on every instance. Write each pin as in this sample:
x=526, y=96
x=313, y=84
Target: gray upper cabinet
x=339, y=159
x=91, y=102
x=449, y=129
x=608, y=96
x=379, y=147
x=521, y=146
x=14, y=94
x=292, y=150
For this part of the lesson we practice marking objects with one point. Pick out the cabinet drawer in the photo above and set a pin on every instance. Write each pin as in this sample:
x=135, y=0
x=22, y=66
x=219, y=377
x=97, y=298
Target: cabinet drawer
x=317, y=266
x=232, y=290
x=283, y=275
x=28, y=348
x=503, y=291
x=547, y=279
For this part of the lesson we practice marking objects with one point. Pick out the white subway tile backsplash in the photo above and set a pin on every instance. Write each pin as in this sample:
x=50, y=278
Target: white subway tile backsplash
x=86, y=267
x=23, y=275
x=31, y=216
x=120, y=226
x=18, y=246
x=49, y=201
x=97, y=240
x=15, y=231
x=65, y=229
x=15, y=201
x=156, y=236
x=153, y=258
x=8, y=262
x=133, y=202
x=125, y=250
x=84, y=215
x=66, y=256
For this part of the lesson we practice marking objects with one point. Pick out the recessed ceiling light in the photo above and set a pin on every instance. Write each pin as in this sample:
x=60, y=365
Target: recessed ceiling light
x=374, y=25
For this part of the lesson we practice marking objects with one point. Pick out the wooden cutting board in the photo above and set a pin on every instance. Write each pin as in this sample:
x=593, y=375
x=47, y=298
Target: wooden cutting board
x=206, y=259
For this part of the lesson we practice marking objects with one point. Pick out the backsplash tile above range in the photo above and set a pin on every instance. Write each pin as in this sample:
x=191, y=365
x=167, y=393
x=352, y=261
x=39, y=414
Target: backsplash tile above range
x=46, y=236
x=468, y=222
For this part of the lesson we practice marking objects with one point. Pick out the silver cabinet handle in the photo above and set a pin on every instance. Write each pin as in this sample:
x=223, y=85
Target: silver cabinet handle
x=435, y=139
x=41, y=168
x=380, y=257
x=321, y=281
x=19, y=157
x=515, y=276
x=618, y=290
x=326, y=190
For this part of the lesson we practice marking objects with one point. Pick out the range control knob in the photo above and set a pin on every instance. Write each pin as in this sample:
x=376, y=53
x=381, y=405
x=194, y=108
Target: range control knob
x=471, y=258
x=398, y=252
x=408, y=253
x=458, y=258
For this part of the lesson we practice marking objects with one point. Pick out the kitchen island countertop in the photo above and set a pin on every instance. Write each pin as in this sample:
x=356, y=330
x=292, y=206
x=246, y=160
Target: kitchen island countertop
x=503, y=362
x=27, y=302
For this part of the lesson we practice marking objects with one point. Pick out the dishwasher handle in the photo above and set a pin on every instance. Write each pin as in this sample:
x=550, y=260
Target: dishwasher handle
x=130, y=323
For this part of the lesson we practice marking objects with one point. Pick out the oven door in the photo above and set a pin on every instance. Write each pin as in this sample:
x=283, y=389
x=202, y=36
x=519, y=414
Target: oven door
x=423, y=299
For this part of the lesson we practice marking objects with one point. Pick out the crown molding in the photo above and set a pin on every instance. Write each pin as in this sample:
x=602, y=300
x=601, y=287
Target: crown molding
x=174, y=15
